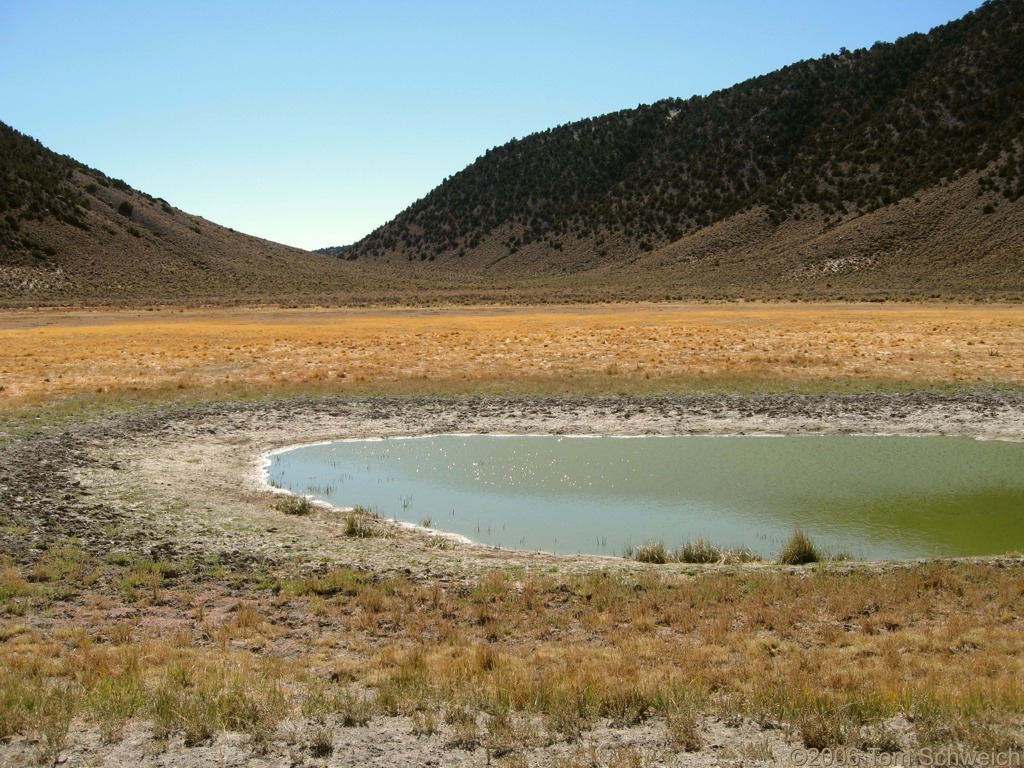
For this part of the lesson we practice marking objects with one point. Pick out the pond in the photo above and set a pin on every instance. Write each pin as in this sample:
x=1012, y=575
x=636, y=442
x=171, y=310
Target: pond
x=871, y=497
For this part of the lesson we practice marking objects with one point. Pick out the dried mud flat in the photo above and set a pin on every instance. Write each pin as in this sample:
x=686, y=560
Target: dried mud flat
x=183, y=482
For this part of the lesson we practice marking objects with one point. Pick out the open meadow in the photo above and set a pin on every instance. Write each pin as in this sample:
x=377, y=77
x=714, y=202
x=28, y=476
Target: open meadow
x=629, y=349
x=159, y=605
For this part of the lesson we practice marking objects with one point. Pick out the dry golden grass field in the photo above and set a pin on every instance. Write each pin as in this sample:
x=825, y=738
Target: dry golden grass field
x=51, y=354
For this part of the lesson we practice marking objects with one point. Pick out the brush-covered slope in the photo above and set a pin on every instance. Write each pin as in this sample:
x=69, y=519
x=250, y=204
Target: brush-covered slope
x=71, y=235
x=893, y=169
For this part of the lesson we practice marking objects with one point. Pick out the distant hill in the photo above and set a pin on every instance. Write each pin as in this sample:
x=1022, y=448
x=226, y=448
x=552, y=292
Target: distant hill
x=71, y=235
x=338, y=251
x=896, y=171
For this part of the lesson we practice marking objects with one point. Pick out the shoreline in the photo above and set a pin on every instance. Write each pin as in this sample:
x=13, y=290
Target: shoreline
x=726, y=539
x=199, y=467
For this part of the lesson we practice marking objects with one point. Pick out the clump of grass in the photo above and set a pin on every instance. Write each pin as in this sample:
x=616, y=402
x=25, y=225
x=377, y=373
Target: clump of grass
x=56, y=710
x=740, y=555
x=682, y=711
x=338, y=580
x=354, y=710
x=625, y=705
x=506, y=733
x=17, y=700
x=682, y=726
x=247, y=619
x=295, y=505
x=424, y=723
x=651, y=552
x=698, y=550
x=143, y=578
x=824, y=727
x=407, y=686
x=572, y=707
x=351, y=708
x=15, y=592
x=321, y=744
x=357, y=524
x=799, y=550
x=115, y=700
x=201, y=698
x=881, y=738
x=58, y=563
x=464, y=733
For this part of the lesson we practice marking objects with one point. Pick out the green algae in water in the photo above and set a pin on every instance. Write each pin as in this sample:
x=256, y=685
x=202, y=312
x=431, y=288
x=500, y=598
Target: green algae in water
x=873, y=497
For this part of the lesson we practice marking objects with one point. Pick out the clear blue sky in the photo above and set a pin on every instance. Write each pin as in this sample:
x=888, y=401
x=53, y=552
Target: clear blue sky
x=311, y=122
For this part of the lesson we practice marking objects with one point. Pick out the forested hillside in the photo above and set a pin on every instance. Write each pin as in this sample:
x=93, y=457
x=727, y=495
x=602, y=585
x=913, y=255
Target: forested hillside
x=828, y=140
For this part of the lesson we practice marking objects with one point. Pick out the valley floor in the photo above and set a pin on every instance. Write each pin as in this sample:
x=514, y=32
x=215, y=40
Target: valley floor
x=158, y=606
x=627, y=349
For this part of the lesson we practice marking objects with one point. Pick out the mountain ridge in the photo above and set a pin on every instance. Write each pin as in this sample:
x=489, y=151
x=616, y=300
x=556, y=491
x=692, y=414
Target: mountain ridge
x=831, y=140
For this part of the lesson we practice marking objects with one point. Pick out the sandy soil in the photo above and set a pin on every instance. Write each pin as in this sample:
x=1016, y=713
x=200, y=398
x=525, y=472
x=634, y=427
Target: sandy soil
x=185, y=481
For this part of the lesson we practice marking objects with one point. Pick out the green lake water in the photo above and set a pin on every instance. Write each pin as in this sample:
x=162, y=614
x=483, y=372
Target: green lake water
x=872, y=497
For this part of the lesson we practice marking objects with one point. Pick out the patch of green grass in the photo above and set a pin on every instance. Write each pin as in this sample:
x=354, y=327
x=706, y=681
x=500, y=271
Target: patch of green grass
x=800, y=550
x=17, y=700
x=298, y=506
x=358, y=525
x=58, y=563
x=56, y=709
x=682, y=726
x=824, y=727
x=651, y=552
x=115, y=700
x=200, y=700
x=698, y=550
x=342, y=580
x=13, y=586
x=351, y=707
x=143, y=577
